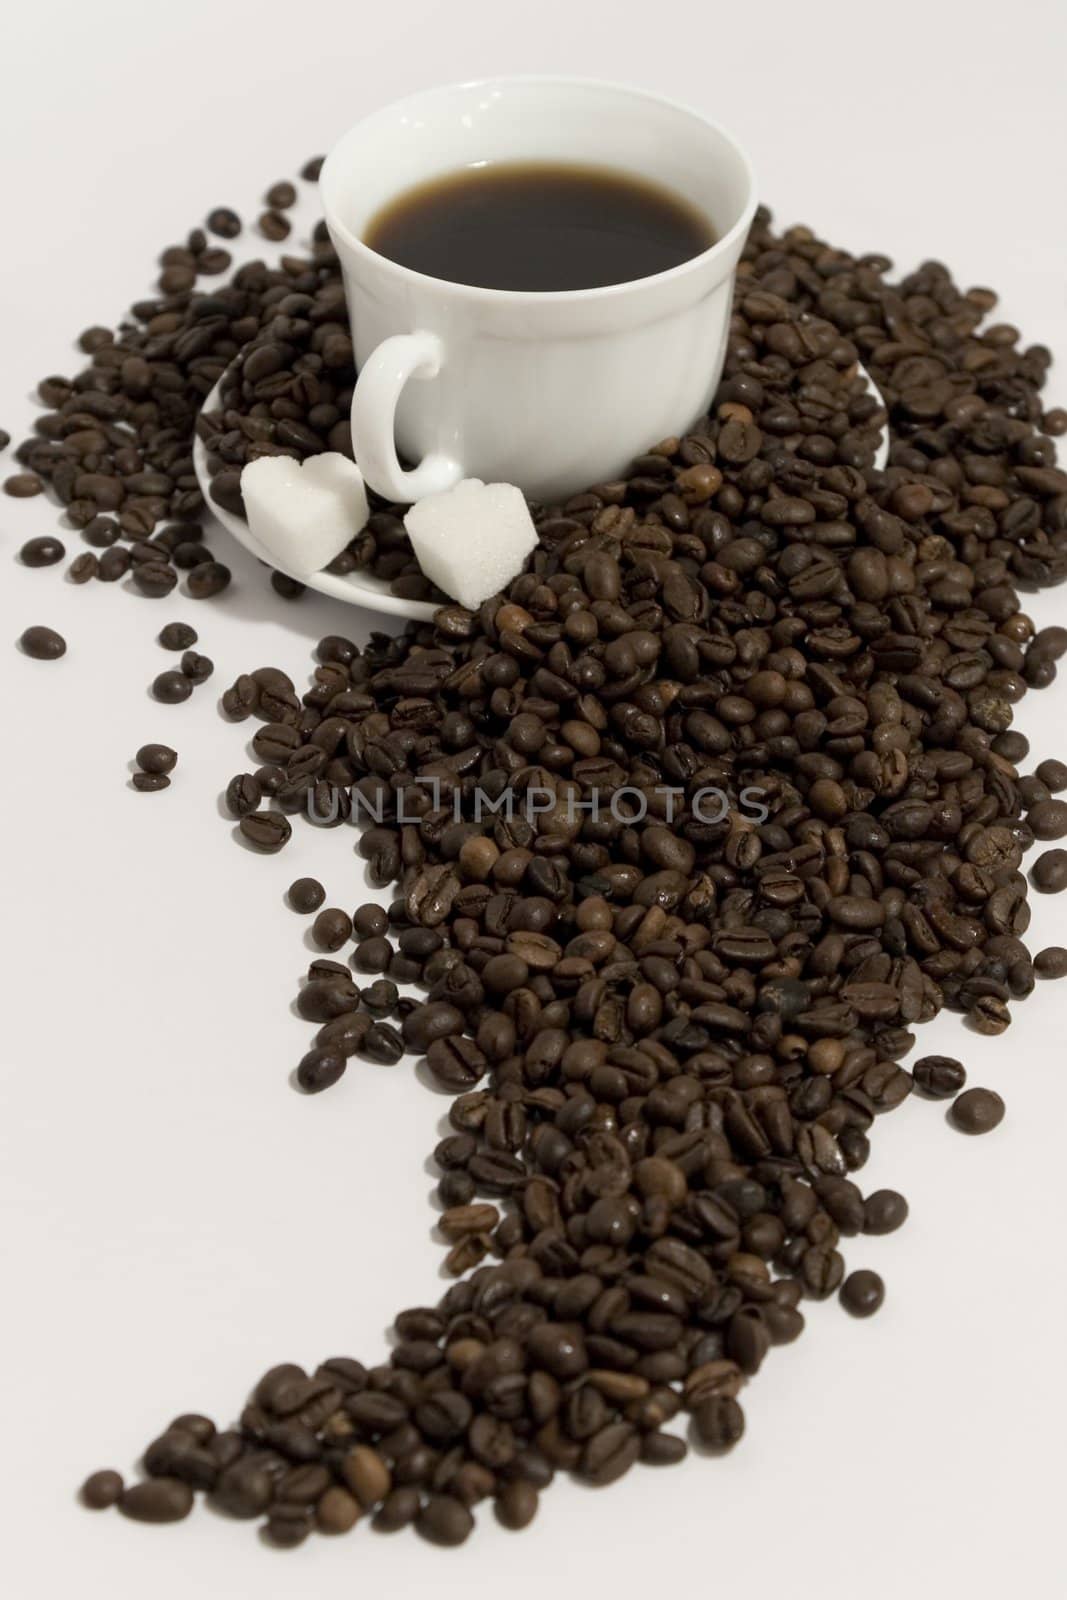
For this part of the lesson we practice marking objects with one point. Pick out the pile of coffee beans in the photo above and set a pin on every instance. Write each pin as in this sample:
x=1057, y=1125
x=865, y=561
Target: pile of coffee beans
x=668, y=1033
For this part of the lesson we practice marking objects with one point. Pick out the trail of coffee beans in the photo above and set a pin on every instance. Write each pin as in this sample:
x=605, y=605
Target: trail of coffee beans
x=668, y=1034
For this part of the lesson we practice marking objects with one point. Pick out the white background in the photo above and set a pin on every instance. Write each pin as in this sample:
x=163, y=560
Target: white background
x=176, y=1218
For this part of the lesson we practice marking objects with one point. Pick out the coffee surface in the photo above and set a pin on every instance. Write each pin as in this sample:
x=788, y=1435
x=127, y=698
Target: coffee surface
x=539, y=226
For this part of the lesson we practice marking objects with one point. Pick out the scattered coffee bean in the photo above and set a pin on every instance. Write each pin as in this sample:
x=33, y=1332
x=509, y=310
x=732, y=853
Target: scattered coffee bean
x=977, y=1111
x=884, y=1211
x=43, y=644
x=331, y=929
x=177, y=636
x=280, y=196
x=306, y=895
x=22, y=485
x=83, y=567
x=156, y=758
x=1051, y=962
x=206, y=580
x=197, y=668
x=862, y=1293
x=274, y=226
x=1053, y=774
x=44, y=551
x=171, y=688
x=266, y=830
x=157, y=1500
x=311, y=169
x=1049, y=871
x=940, y=1077
x=102, y=1489
x=224, y=222
x=150, y=782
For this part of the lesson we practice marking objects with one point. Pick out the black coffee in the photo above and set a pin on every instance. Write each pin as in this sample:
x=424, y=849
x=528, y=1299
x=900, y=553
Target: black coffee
x=539, y=225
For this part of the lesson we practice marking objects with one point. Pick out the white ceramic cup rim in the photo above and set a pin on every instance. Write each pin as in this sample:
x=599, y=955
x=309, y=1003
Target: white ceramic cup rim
x=541, y=297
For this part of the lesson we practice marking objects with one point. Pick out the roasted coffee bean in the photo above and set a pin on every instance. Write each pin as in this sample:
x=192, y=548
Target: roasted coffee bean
x=197, y=668
x=719, y=1422
x=977, y=1111
x=940, y=1077
x=83, y=568
x=266, y=830
x=1051, y=962
x=171, y=688
x=331, y=929
x=243, y=794
x=101, y=1489
x=1048, y=819
x=42, y=552
x=177, y=636
x=281, y=195
x=150, y=782
x=207, y=579
x=862, y=1293
x=154, y=578
x=156, y=758
x=43, y=644
x=157, y=1500
x=23, y=485
x=444, y=1520
x=884, y=1211
x=306, y=895
x=1049, y=871
x=320, y=1069
x=223, y=222
x=274, y=226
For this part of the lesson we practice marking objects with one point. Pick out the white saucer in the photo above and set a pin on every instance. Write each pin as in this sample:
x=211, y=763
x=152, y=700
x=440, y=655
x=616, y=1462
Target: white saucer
x=357, y=588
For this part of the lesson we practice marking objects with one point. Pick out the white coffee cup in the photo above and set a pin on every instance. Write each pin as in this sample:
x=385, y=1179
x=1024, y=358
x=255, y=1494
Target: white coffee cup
x=549, y=391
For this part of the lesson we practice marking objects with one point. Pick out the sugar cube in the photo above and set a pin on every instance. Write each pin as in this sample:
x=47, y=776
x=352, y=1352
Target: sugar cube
x=304, y=514
x=472, y=539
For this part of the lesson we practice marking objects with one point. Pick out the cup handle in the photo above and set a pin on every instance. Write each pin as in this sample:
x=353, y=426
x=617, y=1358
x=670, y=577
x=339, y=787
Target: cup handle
x=378, y=390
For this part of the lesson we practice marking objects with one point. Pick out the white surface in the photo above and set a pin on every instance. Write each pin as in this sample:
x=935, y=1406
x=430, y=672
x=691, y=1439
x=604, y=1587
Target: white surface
x=472, y=539
x=175, y=1217
x=550, y=392
x=303, y=514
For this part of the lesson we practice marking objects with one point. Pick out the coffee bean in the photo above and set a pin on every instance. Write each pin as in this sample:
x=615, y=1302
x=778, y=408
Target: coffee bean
x=862, y=1293
x=977, y=1111
x=940, y=1077
x=23, y=485
x=370, y=922
x=274, y=226
x=171, y=688
x=42, y=552
x=154, y=578
x=224, y=222
x=719, y=1422
x=150, y=782
x=884, y=1211
x=1052, y=962
x=331, y=929
x=207, y=579
x=43, y=644
x=243, y=794
x=157, y=1500
x=337, y=1511
x=444, y=1520
x=1048, y=819
x=320, y=1069
x=102, y=1489
x=1049, y=871
x=311, y=169
x=156, y=758
x=280, y=196
x=267, y=831
x=197, y=668
x=83, y=568
x=306, y=895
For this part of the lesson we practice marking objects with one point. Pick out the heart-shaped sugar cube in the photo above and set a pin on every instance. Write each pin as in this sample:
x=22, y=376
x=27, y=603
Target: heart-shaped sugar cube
x=303, y=515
